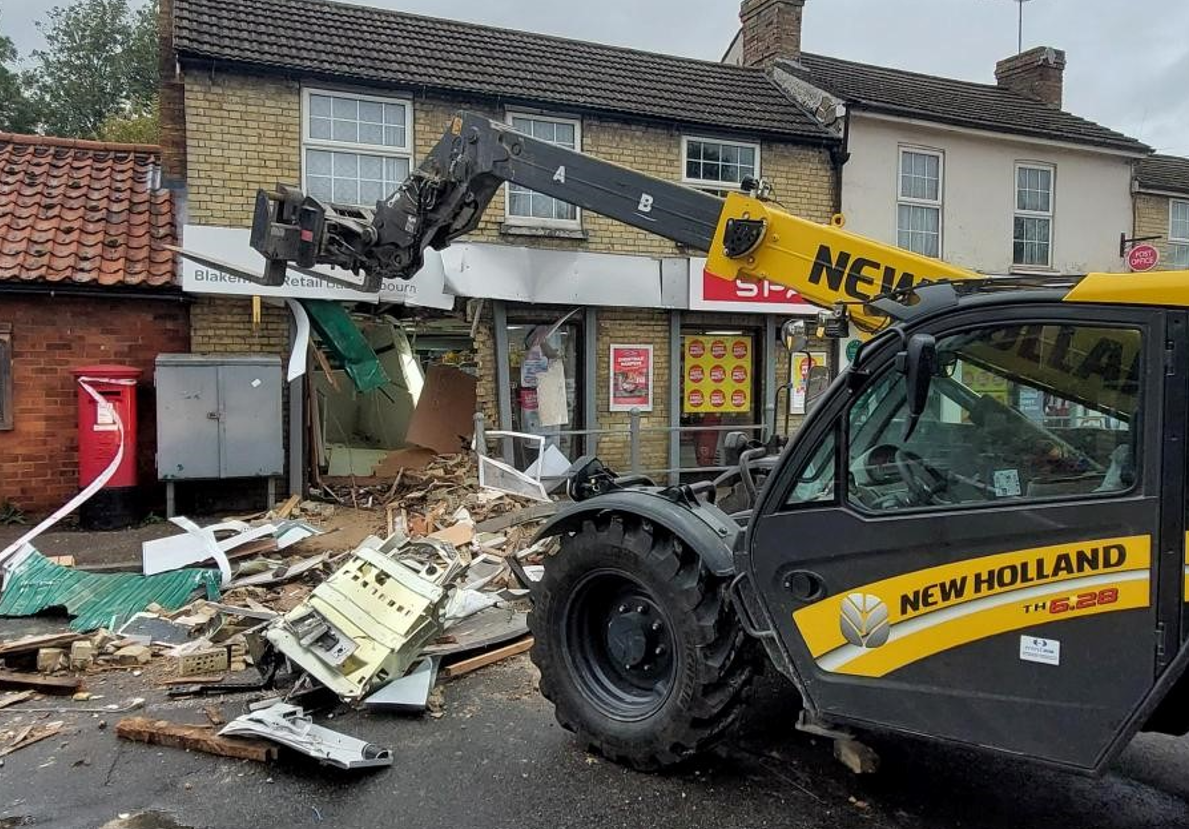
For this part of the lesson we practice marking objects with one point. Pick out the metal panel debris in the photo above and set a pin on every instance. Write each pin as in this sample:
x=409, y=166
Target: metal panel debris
x=98, y=600
x=289, y=726
x=370, y=619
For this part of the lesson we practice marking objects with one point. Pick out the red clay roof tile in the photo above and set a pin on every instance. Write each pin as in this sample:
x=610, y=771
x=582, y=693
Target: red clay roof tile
x=83, y=211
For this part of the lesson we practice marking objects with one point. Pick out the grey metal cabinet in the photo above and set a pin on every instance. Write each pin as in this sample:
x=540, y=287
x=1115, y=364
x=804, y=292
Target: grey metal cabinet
x=218, y=417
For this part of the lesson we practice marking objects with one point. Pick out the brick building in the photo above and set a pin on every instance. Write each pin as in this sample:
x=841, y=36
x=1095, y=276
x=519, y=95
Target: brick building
x=1162, y=207
x=85, y=279
x=331, y=96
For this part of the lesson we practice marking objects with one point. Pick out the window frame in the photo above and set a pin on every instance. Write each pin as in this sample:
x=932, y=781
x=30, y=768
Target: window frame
x=1050, y=215
x=512, y=220
x=1178, y=246
x=7, y=403
x=909, y=201
x=717, y=185
x=842, y=423
x=308, y=142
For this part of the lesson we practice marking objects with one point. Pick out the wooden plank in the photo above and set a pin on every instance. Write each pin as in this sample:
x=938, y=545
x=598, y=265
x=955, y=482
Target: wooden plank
x=484, y=659
x=210, y=679
x=14, y=698
x=37, y=682
x=193, y=737
x=30, y=735
x=286, y=509
x=32, y=644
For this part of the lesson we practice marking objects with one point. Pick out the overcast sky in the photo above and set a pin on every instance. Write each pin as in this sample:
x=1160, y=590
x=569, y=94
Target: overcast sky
x=1128, y=59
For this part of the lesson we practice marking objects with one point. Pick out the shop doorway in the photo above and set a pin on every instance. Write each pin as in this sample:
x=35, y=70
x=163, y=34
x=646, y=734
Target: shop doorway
x=545, y=363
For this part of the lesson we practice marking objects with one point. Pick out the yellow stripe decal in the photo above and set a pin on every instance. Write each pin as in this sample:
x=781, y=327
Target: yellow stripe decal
x=876, y=628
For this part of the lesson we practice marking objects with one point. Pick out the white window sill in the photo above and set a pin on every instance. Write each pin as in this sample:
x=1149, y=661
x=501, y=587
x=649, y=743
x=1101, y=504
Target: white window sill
x=510, y=228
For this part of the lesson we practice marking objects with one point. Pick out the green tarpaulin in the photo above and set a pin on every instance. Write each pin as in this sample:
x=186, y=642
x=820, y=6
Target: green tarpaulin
x=342, y=336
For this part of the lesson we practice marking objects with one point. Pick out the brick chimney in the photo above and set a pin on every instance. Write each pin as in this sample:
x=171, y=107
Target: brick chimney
x=771, y=31
x=173, y=104
x=1037, y=74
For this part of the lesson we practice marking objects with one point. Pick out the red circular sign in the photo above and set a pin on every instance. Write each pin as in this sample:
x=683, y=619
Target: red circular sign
x=696, y=398
x=739, y=374
x=697, y=348
x=739, y=349
x=1143, y=258
x=718, y=398
x=717, y=374
x=696, y=374
x=738, y=398
x=718, y=349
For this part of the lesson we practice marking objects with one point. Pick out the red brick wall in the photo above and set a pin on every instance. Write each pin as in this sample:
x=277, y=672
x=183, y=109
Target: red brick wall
x=50, y=337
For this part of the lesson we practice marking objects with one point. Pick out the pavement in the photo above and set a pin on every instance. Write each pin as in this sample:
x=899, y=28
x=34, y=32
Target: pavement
x=497, y=759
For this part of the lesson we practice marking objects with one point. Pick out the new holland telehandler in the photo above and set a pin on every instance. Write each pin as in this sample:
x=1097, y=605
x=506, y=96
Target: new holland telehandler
x=977, y=536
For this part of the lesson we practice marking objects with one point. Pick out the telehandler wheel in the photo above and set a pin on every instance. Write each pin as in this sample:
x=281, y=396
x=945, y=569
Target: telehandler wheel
x=639, y=650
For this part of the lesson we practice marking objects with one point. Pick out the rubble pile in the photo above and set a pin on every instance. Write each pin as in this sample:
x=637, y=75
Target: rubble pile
x=294, y=622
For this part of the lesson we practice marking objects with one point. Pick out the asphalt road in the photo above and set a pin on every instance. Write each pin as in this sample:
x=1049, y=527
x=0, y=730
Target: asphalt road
x=497, y=759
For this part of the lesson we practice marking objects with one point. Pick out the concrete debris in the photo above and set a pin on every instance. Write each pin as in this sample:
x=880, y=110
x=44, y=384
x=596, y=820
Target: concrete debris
x=134, y=655
x=51, y=660
x=370, y=619
x=289, y=726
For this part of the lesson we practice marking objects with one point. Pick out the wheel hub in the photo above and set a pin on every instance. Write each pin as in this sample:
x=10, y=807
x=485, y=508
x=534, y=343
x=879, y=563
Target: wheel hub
x=635, y=637
x=620, y=645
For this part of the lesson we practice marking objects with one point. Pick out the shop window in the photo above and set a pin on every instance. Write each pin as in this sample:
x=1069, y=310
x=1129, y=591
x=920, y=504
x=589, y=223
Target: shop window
x=720, y=388
x=542, y=357
x=6, y=402
x=357, y=149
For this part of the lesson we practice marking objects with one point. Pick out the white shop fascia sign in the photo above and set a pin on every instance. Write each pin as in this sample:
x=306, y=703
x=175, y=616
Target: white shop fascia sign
x=230, y=245
x=742, y=296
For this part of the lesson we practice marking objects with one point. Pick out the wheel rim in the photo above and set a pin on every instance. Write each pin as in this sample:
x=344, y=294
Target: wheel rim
x=619, y=645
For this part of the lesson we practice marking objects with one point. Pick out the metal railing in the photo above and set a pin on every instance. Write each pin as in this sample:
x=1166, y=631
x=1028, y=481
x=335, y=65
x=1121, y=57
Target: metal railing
x=634, y=432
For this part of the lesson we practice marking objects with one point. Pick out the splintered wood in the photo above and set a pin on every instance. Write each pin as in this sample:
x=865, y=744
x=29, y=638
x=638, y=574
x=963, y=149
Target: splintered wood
x=194, y=738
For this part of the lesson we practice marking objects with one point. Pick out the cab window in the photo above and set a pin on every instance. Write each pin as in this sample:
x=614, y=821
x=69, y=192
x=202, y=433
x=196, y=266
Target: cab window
x=1016, y=413
x=815, y=483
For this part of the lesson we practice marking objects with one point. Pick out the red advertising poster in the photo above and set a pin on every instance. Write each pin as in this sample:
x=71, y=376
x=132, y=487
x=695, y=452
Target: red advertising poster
x=631, y=378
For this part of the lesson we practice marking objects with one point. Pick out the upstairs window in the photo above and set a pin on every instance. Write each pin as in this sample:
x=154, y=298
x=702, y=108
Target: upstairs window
x=1032, y=241
x=356, y=149
x=918, y=208
x=718, y=166
x=526, y=207
x=1178, y=234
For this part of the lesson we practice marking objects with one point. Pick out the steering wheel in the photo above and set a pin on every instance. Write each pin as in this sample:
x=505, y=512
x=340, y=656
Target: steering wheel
x=923, y=481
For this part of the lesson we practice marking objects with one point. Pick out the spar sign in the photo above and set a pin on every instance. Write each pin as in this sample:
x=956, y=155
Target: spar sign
x=1143, y=258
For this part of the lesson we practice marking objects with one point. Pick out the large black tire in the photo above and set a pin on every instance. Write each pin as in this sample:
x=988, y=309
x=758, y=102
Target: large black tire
x=674, y=607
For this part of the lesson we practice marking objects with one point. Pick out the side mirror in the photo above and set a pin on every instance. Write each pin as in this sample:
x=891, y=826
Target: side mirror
x=919, y=363
x=795, y=335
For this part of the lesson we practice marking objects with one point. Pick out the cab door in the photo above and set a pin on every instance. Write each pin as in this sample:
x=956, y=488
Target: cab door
x=991, y=578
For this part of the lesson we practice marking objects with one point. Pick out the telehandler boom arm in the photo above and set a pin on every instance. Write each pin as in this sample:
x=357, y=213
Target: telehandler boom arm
x=747, y=236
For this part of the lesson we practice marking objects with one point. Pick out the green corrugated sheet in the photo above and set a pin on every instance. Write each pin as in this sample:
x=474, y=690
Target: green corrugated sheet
x=340, y=334
x=98, y=600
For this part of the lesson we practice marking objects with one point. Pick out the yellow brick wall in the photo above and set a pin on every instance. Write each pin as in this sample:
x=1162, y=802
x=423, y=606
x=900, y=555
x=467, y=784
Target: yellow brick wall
x=242, y=133
x=631, y=326
x=1152, y=219
x=223, y=325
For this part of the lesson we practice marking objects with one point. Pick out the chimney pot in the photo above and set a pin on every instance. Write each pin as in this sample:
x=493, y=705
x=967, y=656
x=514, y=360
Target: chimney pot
x=771, y=31
x=1038, y=74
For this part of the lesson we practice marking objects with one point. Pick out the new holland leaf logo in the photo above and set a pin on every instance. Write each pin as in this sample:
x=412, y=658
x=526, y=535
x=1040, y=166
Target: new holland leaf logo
x=864, y=620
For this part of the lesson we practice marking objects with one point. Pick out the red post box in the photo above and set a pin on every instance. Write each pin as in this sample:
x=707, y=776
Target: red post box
x=114, y=506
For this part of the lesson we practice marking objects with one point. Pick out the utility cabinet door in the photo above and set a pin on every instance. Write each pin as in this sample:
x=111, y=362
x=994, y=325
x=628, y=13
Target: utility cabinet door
x=187, y=422
x=250, y=444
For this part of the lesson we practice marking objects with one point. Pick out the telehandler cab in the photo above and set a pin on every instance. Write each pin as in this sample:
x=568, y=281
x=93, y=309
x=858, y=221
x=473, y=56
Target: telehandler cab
x=977, y=536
